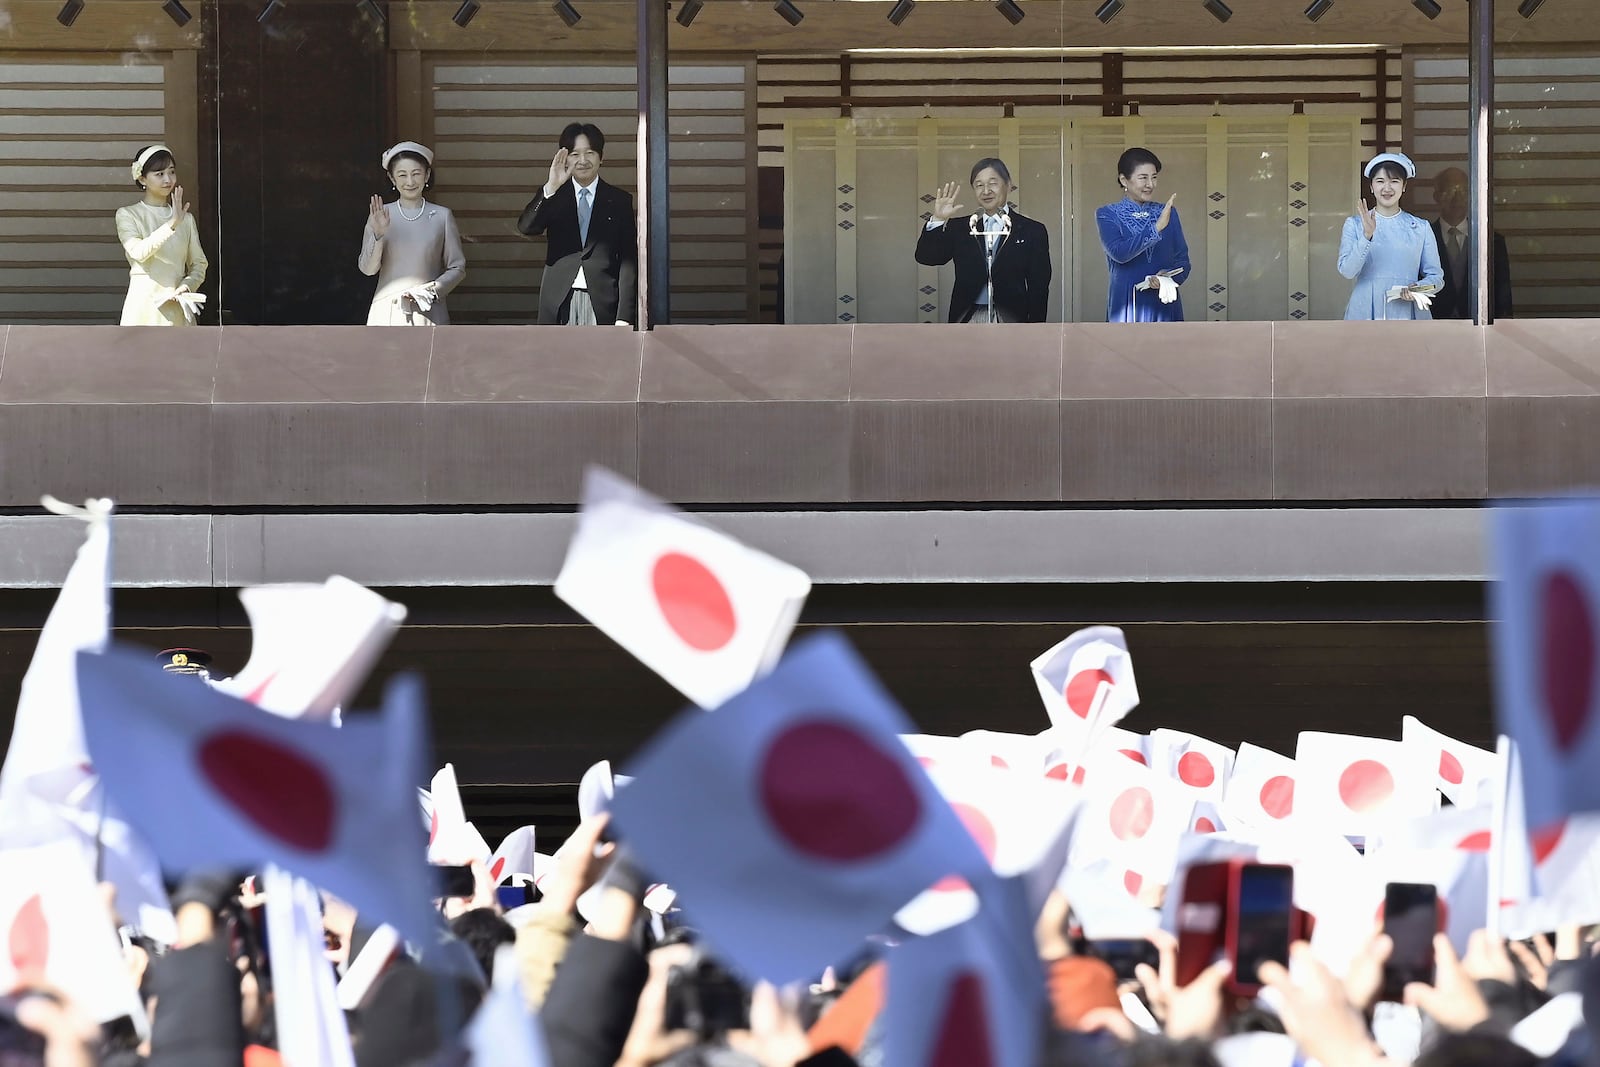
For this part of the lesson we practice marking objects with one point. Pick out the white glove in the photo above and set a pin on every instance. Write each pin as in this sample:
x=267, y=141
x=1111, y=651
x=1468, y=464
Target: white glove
x=1405, y=292
x=423, y=296
x=1168, y=287
x=1422, y=300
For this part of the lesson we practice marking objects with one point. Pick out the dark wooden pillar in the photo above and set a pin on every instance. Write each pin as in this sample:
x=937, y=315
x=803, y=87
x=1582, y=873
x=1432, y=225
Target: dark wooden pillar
x=295, y=125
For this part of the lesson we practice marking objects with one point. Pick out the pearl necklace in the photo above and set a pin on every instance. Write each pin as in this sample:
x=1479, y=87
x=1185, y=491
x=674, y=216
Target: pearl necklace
x=411, y=218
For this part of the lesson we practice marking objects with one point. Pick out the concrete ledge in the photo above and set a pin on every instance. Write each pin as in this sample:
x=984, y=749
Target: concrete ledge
x=259, y=416
x=834, y=547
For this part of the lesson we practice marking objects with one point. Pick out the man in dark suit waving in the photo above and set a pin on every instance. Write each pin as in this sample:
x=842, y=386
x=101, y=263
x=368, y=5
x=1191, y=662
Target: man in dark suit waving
x=1002, y=257
x=591, y=271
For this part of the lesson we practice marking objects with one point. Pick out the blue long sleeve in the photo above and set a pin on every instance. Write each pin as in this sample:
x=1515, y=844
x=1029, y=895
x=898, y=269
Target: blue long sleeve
x=1354, y=248
x=1125, y=237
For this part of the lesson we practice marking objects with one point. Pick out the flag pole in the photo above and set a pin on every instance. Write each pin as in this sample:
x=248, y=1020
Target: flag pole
x=1497, y=834
x=100, y=836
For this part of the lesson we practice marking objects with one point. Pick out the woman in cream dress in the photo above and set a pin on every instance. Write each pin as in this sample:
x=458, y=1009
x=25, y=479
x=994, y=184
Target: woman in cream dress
x=411, y=245
x=162, y=243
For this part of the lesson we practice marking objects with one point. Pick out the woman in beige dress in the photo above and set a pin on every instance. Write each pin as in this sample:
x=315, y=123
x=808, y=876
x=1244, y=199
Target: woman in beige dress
x=162, y=243
x=411, y=245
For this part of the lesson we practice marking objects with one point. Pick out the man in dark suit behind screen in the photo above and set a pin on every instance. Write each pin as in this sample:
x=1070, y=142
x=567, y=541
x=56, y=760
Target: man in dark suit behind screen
x=591, y=271
x=1450, y=230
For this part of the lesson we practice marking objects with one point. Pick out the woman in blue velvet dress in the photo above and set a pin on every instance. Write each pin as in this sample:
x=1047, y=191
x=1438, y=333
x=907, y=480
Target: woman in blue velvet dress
x=1145, y=250
x=1392, y=255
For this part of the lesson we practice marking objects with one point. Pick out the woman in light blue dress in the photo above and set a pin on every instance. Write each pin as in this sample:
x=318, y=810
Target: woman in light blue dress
x=1391, y=254
x=1146, y=254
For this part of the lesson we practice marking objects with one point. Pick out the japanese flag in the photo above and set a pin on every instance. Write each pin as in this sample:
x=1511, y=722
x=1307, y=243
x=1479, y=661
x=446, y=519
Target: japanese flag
x=1017, y=820
x=970, y=996
x=1261, y=788
x=1463, y=770
x=311, y=645
x=514, y=856
x=1201, y=765
x=1208, y=818
x=1133, y=817
x=56, y=928
x=48, y=789
x=708, y=614
x=1546, y=606
x=1068, y=759
x=793, y=822
x=451, y=838
x=1086, y=682
x=1355, y=785
x=213, y=781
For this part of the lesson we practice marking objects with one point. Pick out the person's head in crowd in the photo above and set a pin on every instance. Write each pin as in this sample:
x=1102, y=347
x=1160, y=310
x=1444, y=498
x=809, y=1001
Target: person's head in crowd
x=1450, y=194
x=1475, y=1050
x=190, y=661
x=586, y=148
x=1083, y=996
x=483, y=931
x=991, y=183
x=1138, y=171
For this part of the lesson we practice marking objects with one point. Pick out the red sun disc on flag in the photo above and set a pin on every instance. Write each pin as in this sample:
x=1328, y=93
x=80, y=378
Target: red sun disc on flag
x=1132, y=881
x=497, y=870
x=1081, y=689
x=997, y=762
x=29, y=940
x=963, y=1039
x=1194, y=768
x=1566, y=657
x=1366, y=785
x=1450, y=768
x=1137, y=757
x=282, y=792
x=1203, y=825
x=983, y=832
x=1277, y=796
x=1132, y=813
x=834, y=795
x=693, y=601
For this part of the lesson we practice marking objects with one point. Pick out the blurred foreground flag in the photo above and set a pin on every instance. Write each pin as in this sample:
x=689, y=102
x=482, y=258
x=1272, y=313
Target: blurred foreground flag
x=705, y=612
x=211, y=781
x=1086, y=682
x=1546, y=605
x=311, y=646
x=793, y=822
x=970, y=996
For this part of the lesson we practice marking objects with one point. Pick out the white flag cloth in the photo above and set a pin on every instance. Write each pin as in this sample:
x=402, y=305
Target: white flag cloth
x=451, y=838
x=310, y=1024
x=596, y=788
x=1464, y=771
x=1086, y=681
x=54, y=924
x=514, y=856
x=48, y=790
x=502, y=1031
x=1546, y=607
x=311, y=645
x=213, y=781
x=1017, y=820
x=1261, y=788
x=707, y=613
x=793, y=822
x=1356, y=785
